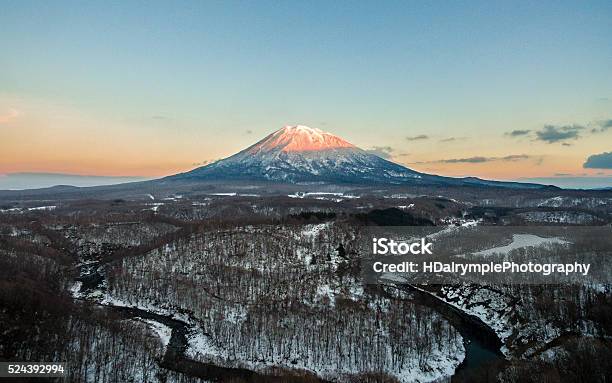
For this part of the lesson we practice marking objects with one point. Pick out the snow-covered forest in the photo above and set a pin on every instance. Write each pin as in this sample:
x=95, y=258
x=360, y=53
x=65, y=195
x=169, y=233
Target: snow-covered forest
x=232, y=288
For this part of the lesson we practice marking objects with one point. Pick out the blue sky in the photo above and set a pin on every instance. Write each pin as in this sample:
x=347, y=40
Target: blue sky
x=165, y=85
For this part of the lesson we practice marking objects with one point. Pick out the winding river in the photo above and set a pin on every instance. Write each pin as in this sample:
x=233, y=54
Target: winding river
x=482, y=345
x=174, y=358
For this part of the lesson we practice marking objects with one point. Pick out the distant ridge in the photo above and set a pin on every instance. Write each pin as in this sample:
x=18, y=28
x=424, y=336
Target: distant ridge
x=37, y=180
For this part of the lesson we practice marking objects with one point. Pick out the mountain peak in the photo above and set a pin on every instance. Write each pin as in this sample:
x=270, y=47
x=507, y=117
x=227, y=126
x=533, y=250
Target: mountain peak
x=299, y=138
x=300, y=154
x=300, y=128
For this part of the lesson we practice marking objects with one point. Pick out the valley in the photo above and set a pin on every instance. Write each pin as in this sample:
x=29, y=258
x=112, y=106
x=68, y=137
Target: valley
x=224, y=287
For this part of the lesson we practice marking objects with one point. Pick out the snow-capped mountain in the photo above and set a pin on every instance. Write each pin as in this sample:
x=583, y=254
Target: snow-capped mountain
x=302, y=154
x=297, y=154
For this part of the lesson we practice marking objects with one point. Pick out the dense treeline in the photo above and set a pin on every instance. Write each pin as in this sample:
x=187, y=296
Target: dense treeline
x=264, y=300
x=39, y=321
x=271, y=284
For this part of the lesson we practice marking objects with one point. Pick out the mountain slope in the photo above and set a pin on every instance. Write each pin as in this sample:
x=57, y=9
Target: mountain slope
x=299, y=154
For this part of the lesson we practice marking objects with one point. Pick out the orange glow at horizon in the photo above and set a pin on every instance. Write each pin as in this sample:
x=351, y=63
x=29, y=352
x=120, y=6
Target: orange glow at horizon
x=41, y=137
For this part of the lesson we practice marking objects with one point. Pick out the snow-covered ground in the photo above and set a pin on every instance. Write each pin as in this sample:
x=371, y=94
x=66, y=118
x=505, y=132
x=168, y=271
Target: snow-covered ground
x=560, y=201
x=42, y=208
x=439, y=366
x=326, y=196
x=163, y=332
x=201, y=347
x=11, y=210
x=36, y=208
x=155, y=206
x=490, y=306
x=406, y=207
x=311, y=232
x=75, y=290
x=520, y=241
x=566, y=217
x=215, y=335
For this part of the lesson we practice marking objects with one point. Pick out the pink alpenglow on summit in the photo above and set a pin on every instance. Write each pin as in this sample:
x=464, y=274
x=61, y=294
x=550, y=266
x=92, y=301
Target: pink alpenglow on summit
x=299, y=138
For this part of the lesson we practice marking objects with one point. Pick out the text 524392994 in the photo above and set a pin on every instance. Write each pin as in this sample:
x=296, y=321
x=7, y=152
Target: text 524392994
x=32, y=369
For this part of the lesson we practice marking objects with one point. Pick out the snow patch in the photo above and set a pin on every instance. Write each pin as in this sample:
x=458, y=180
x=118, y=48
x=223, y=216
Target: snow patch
x=163, y=332
x=520, y=241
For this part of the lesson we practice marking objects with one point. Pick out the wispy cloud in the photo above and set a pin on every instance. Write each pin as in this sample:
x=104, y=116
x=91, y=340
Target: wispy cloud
x=478, y=159
x=561, y=133
x=602, y=126
x=451, y=139
x=518, y=133
x=599, y=161
x=381, y=151
x=552, y=133
x=9, y=116
x=417, y=138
